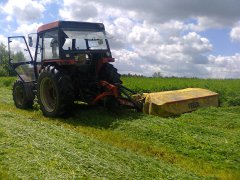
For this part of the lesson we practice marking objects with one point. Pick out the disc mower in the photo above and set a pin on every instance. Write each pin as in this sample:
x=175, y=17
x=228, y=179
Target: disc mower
x=67, y=61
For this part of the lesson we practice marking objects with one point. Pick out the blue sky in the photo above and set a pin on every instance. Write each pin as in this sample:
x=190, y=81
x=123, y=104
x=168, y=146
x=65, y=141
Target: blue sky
x=177, y=38
x=222, y=42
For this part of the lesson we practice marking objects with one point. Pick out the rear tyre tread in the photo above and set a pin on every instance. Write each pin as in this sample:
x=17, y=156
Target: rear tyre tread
x=64, y=91
x=109, y=73
x=21, y=99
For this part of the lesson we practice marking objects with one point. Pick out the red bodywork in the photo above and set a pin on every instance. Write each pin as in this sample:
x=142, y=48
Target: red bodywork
x=48, y=26
x=112, y=90
x=73, y=62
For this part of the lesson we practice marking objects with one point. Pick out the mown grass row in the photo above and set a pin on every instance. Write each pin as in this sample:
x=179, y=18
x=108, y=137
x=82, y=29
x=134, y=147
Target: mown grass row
x=123, y=144
x=36, y=147
x=180, y=148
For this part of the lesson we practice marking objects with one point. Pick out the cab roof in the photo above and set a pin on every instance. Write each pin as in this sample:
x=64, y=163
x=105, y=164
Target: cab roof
x=82, y=26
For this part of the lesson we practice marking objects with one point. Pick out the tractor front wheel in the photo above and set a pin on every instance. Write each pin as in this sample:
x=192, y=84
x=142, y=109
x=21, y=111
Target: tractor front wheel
x=20, y=96
x=55, y=92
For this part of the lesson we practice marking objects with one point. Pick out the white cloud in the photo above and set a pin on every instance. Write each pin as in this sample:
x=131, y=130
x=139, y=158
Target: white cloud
x=78, y=10
x=25, y=29
x=143, y=47
x=224, y=66
x=194, y=43
x=214, y=13
x=149, y=50
x=3, y=40
x=9, y=18
x=235, y=33
x=23, y=11
x=47, y=2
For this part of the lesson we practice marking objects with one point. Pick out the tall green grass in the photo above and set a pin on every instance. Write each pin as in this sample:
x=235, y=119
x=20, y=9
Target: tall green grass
x=228, y=89
x=7, y=81
x=6, y=89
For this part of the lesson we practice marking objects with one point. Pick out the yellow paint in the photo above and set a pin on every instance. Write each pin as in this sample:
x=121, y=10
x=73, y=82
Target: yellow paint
x=169, y=103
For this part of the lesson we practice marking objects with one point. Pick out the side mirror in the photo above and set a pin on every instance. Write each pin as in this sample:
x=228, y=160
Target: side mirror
x=30, y=41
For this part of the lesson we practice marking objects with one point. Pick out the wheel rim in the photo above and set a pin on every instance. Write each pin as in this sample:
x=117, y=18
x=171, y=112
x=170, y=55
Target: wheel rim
x=19, y=95
x=48, y=94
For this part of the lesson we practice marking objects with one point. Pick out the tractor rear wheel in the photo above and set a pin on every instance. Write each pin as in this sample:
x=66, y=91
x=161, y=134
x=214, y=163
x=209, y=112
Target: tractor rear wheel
x=20, y=96
x=109, y=73
x=55, y=92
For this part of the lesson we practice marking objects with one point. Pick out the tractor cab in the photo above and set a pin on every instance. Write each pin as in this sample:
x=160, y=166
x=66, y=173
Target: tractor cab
x=82, y=44
x=67, y=40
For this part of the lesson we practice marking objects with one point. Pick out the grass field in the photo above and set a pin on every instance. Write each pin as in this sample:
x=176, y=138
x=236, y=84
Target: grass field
x=95, y=143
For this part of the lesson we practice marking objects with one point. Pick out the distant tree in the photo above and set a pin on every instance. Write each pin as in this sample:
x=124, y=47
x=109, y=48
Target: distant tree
x=3, y=72
x=131, y=75
x=5, y=69
x=157, y=74
x=18, y=56
x=3, y=53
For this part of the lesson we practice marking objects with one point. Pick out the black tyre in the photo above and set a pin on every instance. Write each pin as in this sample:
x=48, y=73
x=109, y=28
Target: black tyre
x=22, y=96
x=55, y=92
x=109, y=73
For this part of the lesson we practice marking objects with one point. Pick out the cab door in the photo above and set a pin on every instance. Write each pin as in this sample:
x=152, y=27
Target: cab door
x=20, y=58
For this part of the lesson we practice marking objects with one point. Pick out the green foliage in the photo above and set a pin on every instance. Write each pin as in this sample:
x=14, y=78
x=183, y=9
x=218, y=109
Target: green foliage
x=18, y=57
x=6, y=81
x=132, y=75
x=95, y=143
x=5, y=69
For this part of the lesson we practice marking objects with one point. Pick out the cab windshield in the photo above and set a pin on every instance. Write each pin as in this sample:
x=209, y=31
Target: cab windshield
x=84, y=40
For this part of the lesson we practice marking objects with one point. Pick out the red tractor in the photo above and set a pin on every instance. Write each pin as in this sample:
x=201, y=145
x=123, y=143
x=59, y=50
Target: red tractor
x=71, y=62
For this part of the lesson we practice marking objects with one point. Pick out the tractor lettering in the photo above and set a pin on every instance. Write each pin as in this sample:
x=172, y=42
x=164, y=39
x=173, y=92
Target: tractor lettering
x=193, y=105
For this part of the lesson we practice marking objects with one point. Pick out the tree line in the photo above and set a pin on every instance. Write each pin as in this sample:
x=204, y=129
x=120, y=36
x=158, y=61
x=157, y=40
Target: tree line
x=155, y=75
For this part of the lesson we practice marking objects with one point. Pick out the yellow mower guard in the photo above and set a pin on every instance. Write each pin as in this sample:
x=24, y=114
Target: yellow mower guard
x=170, y=103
